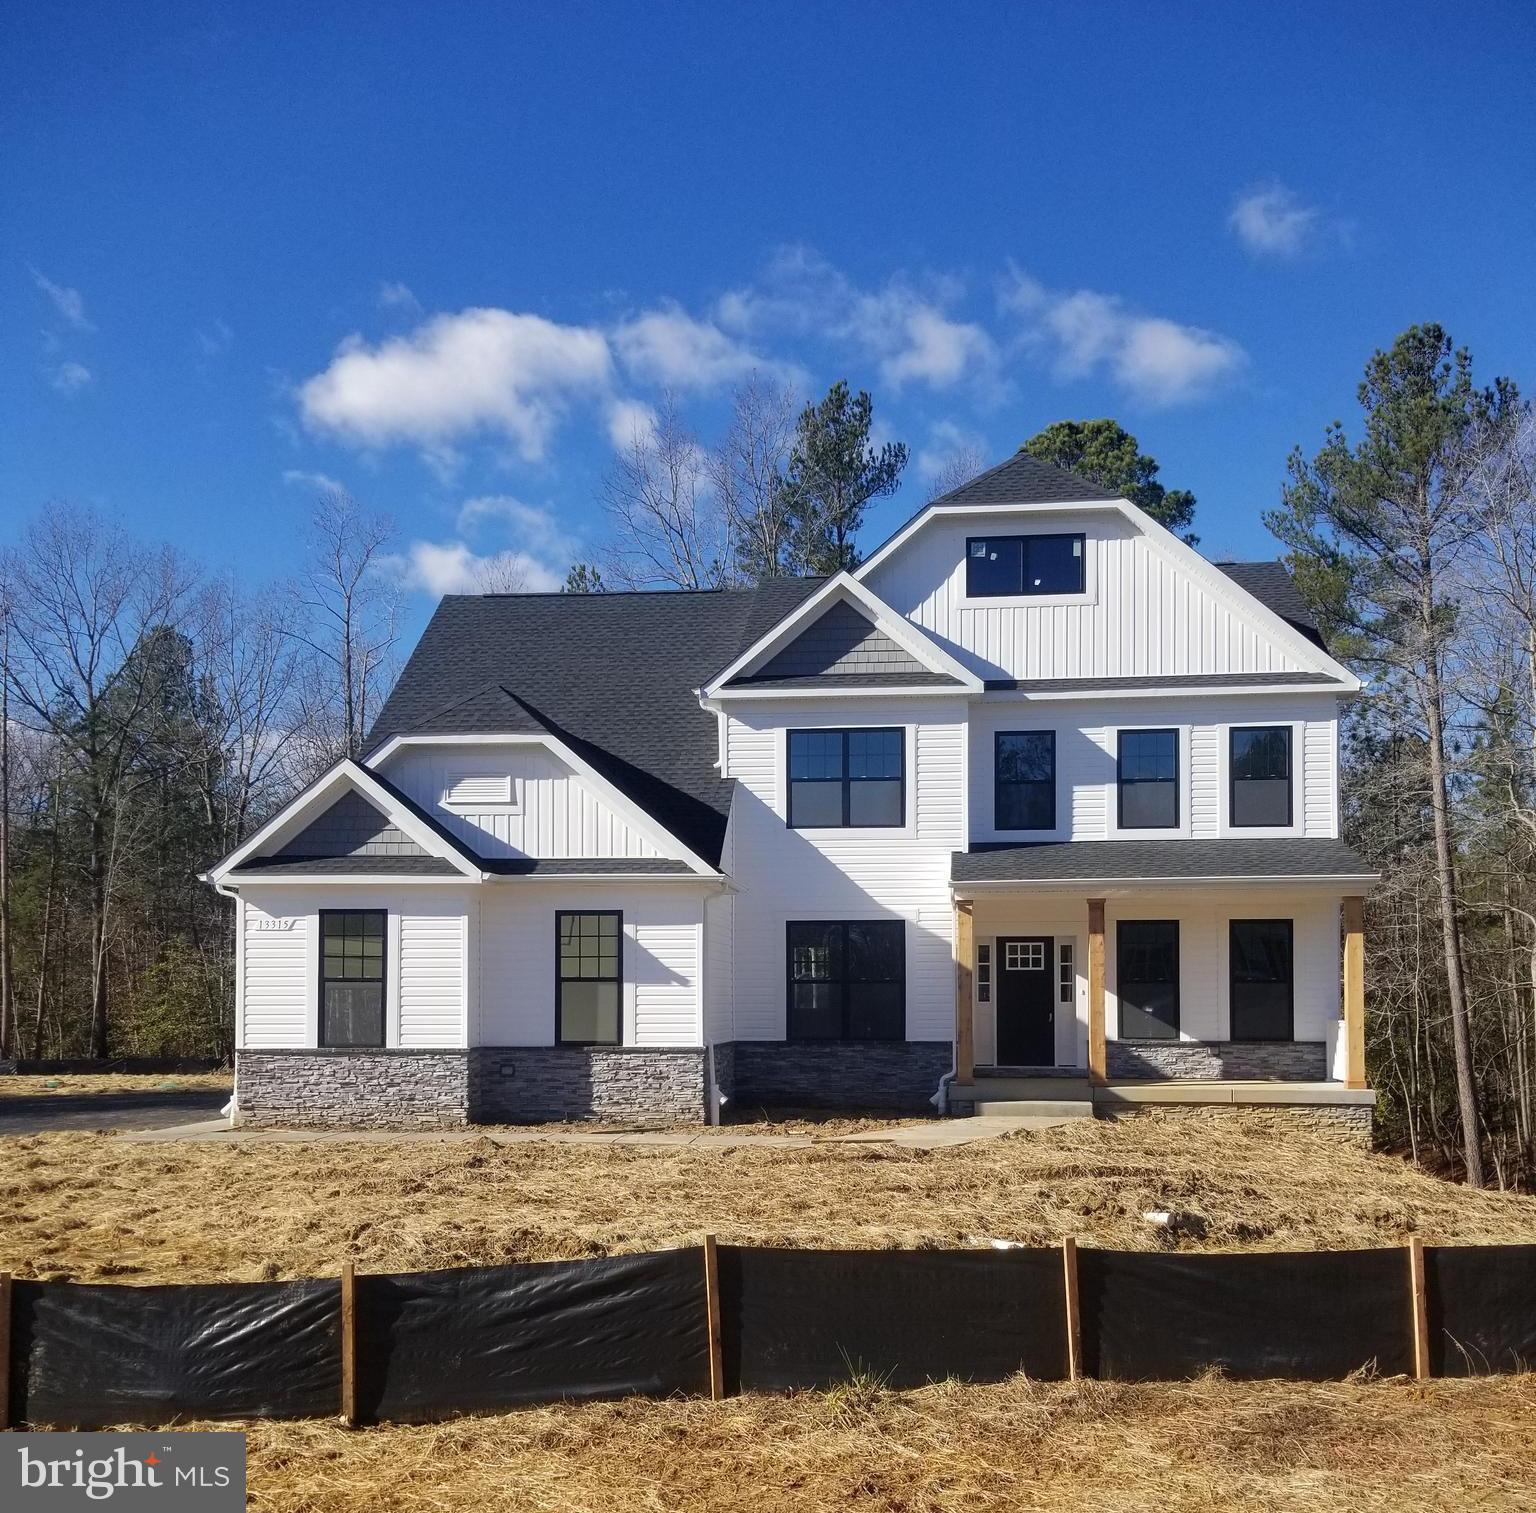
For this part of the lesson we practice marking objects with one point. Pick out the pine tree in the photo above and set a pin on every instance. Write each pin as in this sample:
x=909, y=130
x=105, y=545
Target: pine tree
x=1104, y=452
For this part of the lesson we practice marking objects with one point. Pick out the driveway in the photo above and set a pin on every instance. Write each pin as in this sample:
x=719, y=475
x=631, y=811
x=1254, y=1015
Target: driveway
x=50, y=1113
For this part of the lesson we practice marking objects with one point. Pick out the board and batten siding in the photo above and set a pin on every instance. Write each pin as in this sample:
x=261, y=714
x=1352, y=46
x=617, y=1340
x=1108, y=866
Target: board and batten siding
x=552, y=812
x=1087, y=743
x=858, y=874
x=663, y=960
x=428, y=981
x=1143, y=613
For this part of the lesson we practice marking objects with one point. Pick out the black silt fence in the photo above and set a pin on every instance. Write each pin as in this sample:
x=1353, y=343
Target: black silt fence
x=721, y=1319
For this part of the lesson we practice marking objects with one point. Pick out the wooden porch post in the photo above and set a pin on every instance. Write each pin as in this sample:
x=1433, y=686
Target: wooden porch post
x=965, y=977
x=1096, y=1055
x=1354, y=992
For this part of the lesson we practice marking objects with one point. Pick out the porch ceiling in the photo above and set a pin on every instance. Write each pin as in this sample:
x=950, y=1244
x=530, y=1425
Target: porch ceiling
x=1111, y=864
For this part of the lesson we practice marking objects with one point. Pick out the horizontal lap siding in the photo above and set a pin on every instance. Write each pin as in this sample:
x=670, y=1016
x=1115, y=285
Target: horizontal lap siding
x=557, y=815
x=1148, y=615
x=431, y=974
x=786, y=874
x=275, y=967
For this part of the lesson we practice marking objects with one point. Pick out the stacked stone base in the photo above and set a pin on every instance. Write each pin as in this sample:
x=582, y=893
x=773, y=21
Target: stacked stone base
x=872, y=1076
x=425, y=1090
x=1350, y=1122
x=1232, y=1060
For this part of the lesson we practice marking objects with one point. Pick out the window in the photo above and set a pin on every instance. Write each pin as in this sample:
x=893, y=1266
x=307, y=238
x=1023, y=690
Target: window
x=1066, y=972
x=847, y=980
x=1262, y=979
x=352, y=977
x=590, y=955
x=1024, y=956
x=846, y=778
x=1148, y=772
x=983, y=974
x=1147, y=979
x=1261, y=775
x=1025, y=787
x=1001, y=566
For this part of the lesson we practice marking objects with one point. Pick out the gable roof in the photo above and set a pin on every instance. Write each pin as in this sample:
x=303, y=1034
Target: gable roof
x=612, y=675
x=842, y=640
x=1023, y=479
x=1272, y=585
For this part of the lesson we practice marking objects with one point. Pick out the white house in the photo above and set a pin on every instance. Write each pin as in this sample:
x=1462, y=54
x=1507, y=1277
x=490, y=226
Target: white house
x=1037, y=804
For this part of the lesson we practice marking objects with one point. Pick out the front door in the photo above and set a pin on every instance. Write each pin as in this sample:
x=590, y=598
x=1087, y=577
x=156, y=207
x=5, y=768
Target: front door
x=1026, y=1002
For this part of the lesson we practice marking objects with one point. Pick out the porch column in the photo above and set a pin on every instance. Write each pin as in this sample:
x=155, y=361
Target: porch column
x=1354, y=992
x=1096, y=1055
x=965, y=997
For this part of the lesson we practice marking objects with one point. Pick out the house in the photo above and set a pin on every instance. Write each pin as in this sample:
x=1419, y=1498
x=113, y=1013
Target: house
x=1036, y=804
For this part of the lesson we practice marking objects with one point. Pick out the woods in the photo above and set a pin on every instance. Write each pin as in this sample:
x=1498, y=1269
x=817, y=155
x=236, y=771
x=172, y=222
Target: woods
x=152, y=716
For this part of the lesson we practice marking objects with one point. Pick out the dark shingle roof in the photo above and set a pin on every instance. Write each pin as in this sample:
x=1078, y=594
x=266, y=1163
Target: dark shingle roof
x=1272, y=585
x=1089, y=687
x=583, y=866
x=613, y=675
x=1023, y=479
x=852, y=680
x=1151, y=861
x=385, y=866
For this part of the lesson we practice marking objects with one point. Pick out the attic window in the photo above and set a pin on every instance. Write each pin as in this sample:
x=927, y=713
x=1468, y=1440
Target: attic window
x=465, y=790
x=998, y=567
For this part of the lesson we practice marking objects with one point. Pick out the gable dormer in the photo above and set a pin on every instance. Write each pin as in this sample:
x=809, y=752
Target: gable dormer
x=843, y=642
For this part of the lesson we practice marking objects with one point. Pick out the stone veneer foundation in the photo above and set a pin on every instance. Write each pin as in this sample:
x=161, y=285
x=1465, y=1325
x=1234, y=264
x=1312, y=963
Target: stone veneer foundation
x=1347, y=1121
x=390, y=1089
x=874, y=1076
x=1231, y=1060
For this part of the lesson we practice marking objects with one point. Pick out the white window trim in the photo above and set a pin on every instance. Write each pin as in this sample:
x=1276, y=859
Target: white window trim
x=906, y=831
x=1298, y=825
x=1089, y=595
x=1185, y=805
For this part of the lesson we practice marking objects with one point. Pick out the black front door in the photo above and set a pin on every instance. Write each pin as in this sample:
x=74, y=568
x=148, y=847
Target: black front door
x=1026, y=1002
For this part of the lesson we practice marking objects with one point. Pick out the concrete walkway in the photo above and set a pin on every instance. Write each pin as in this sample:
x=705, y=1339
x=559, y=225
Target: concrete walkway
x=930, y=1134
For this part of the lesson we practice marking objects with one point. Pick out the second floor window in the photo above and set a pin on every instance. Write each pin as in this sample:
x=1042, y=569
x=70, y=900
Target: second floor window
x=1025, y=770
x=846, y=778
x=1001, y=566
x=1261, y=776
x=1148, y=769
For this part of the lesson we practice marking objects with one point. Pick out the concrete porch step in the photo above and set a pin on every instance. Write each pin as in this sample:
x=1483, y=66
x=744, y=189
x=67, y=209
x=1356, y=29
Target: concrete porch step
x=1011, y=1089
x=1057, y=1110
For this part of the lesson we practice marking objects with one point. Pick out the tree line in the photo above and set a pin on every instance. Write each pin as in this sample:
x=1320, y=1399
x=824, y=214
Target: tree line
x=152, y=717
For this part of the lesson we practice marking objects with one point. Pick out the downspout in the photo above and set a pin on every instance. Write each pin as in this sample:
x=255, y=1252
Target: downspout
x=230, y=1110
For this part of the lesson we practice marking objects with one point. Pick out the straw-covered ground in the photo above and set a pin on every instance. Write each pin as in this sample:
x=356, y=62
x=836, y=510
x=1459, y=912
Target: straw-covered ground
x=1389, y=1447
x=89, y=1206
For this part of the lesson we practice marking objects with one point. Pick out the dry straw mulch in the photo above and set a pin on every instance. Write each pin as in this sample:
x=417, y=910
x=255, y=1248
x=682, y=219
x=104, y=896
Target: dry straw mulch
x=75, y=1084
x=93, y=1207
x=1210, y=1445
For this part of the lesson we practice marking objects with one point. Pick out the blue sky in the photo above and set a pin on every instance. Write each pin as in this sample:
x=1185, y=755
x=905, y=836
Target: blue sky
x=441, y=253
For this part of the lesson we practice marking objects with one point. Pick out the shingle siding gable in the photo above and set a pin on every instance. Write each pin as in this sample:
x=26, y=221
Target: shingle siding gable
x=840, y=642
x=351, y=827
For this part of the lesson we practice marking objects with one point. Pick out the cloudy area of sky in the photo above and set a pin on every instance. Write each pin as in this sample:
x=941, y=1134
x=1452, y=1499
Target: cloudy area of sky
x=450, y=257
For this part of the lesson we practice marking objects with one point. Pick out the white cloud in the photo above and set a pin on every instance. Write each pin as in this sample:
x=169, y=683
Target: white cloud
x=393, y=295
x=214, y=338
x=452, y=567
x=320, y=482
x=1273, y=221
x=70, y=377
x=668, y=346
x=456, y=375
x=1086, y=334
x=534, y=529
x=629, y=421
x=70, y=303
x=949, y=444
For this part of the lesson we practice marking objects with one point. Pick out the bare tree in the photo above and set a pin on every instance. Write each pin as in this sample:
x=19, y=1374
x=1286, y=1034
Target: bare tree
x=349, y=610
x=87, y=600
x=958, y=468
x=745, y=472
x=9, y=1029
x=504, y=573
x=669, y=529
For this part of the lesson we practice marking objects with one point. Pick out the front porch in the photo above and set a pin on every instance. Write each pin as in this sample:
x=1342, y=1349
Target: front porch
x=1112, y=996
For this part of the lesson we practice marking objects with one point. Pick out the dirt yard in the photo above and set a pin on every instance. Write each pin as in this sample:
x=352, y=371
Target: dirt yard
x=1387, y=1447
x=88, y=1206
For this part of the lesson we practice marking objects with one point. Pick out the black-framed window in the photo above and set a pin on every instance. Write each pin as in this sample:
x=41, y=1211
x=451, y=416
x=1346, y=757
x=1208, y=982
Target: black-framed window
x=1024, y=767
x=847, y=979
x=1260, y=769
x=1147, y=774
x=589, y=977
x=352, y=957
x=1002, y=566
x=1147, y=978
x=847, y=778
x=1263, y=979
